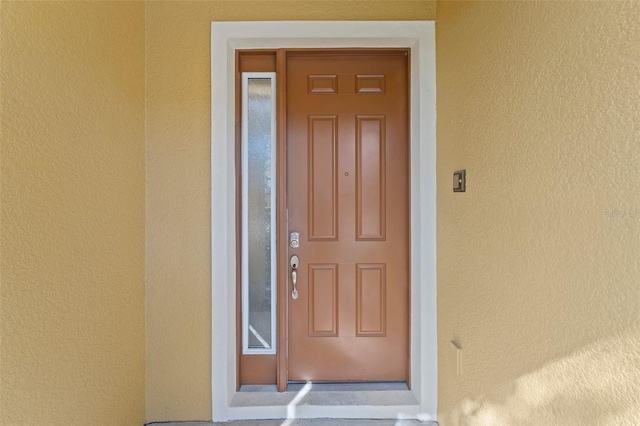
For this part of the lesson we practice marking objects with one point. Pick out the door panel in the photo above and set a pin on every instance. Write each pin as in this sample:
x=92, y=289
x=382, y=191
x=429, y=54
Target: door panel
x=370, y=177
x=322, y=182
x=323, y=300
x=348, y=196
x=371, y=298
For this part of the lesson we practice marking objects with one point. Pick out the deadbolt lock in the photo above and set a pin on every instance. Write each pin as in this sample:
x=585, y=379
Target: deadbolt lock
x=294, y=240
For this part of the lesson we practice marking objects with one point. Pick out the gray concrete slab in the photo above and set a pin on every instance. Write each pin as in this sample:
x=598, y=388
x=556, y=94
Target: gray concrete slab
x=300, y=422
x=342, y=397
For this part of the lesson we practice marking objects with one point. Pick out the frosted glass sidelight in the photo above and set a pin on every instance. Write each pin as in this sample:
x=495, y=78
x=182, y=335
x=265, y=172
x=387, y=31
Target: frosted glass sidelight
x=258, y=176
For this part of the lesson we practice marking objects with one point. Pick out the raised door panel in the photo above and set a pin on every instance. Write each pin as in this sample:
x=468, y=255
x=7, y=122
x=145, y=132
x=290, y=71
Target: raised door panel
x=323, y=84
x=323, y=300
x=322, y=181
x=370, y=84
x=371, y=300
x=371, y=179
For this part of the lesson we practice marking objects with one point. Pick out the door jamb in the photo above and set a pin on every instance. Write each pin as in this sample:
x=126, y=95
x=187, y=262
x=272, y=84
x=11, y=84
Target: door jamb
x=419, y=36
x=283, y=225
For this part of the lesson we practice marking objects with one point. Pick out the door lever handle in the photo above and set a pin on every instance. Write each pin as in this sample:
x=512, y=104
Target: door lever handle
x=294, y=278
x=295, y=262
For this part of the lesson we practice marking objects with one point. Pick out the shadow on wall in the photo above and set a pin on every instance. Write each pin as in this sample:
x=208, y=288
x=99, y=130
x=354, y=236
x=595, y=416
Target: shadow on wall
x=597, y=385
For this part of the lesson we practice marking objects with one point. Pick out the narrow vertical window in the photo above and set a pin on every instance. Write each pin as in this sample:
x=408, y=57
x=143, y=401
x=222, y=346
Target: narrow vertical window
x=258, y=213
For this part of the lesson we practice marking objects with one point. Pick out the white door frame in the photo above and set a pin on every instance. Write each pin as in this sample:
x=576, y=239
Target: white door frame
x=226, y=38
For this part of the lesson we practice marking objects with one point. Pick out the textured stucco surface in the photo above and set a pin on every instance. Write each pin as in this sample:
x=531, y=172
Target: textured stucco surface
x=72, y=210
x=178, y=289
x=538, y=270
x=537, y=262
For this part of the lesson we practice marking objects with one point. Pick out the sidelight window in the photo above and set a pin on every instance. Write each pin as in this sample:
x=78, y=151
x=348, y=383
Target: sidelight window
x=258, y=151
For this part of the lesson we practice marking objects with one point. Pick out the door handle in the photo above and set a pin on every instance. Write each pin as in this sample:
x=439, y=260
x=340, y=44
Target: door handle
x=295, y=262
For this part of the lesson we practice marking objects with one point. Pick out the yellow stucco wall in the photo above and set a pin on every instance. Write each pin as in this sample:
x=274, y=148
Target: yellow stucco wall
x=178, y=303
x=72, y=213
x=538, y=271
x=537, y=261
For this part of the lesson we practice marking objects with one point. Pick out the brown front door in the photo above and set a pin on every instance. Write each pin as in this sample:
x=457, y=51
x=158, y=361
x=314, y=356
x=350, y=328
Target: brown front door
x=348, y=197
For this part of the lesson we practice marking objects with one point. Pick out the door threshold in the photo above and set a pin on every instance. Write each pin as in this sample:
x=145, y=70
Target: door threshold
x=330, y=386
x=326, y=400
x=353, y=386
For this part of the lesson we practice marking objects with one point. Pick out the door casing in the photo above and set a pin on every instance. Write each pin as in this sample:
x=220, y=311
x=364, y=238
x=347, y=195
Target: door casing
x=419, y=36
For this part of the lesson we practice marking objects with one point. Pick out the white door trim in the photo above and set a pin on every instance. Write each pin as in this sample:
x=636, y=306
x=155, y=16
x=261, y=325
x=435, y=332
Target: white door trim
x=419, y=36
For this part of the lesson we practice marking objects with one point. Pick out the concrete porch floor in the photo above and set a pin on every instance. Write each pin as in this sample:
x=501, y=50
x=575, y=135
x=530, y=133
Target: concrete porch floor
x=301, y=422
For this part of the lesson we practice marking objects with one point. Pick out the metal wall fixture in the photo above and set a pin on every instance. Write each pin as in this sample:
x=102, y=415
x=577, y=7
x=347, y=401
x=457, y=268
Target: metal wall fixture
x=460, y=180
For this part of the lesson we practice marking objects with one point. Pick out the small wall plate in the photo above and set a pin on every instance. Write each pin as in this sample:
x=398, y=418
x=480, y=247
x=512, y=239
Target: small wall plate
x=459, y=181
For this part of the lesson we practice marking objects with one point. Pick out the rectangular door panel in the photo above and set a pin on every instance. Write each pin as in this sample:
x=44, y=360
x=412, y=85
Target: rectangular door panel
x=323, y=300
x=371, y=182
x=370, y=84
x=322, y=181
x=371, y=298
x=322, y=84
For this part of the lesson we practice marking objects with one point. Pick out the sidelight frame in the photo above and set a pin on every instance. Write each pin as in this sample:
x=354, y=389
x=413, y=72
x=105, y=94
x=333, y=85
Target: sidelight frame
x=244, y=147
